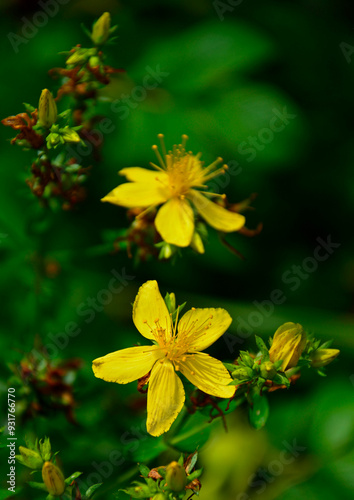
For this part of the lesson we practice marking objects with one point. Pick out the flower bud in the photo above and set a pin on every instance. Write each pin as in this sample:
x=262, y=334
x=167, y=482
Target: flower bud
x=322, y=357
x=268, y=370
x=53, y=479
x=80, y=56
x=166, y=251
x=29, y=458
x=100, y=30
x=94, y=61
x=197, y=243
x=242, y=373
x=69, y=135
x=47, y=109
x=176, y=477
x=289, y=341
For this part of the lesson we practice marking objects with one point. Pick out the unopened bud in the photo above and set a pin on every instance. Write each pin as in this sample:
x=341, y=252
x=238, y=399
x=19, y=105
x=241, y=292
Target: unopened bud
x=322, y=357
x=101, y=29
x=166, y=251
x=289, y=341
x=242, y=373
x=47, y=109
x=197, y=243
x=69, y=135
x=80, y=56
x=268, y=370
x=30, y=458
x=53, y=479
x=94, y=61
x=176, y=477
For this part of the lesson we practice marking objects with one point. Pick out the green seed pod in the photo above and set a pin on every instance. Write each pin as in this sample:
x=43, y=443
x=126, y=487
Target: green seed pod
x=47, y=109
x=176, y=477
x=100, y=30
x=53, y=479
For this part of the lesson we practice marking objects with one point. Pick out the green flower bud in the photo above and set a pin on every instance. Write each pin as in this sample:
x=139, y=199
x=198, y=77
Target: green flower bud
x=242, y=373
x=94, y=61
x=47, y=109
x=45, y=448
x=101, y=29
x=176, y=477
x=289, y=341
x=268, y=370
x=69, y=135
x=322, y=357
x=29, y=458
x=53, y=479
x=166, y=251
x=197, y=243
x=80, y=56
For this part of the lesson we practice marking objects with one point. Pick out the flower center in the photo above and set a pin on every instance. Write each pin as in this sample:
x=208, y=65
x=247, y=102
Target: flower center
x=184, y=169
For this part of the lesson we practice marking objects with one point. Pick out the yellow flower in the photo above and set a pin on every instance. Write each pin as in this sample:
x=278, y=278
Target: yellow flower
x=176, y=348
x=174, y=185
x=289, y=341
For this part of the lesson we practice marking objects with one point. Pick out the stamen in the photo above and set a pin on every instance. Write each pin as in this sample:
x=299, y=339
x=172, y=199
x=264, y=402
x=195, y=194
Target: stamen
x=184, y=140
x=162, y=142
x=159, y=157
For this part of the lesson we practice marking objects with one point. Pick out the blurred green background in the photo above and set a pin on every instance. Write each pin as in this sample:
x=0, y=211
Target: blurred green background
x=227, y=72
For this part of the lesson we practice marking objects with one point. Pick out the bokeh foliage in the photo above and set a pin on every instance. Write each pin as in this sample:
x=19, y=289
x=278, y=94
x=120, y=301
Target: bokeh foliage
x=224, y=80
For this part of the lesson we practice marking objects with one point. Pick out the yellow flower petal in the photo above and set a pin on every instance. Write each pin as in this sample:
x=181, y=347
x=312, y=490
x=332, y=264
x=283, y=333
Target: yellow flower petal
x=126, y=365
x=215, y=215
x=137, y=194
x=150, y=314
x=165, y=398
x=175, y=222
x=138, y=174
x=208, y=374
x=199, y=328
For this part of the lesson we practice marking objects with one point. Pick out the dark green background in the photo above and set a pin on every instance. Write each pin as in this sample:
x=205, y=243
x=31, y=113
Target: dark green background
x=225, y=77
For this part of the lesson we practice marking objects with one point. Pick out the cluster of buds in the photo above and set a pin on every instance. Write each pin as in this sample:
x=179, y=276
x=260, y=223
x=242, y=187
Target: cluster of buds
x=85, y=71
x=170, y=482
x=38, y=457
x=278, y=366
x=55, y=181
x=45, y=386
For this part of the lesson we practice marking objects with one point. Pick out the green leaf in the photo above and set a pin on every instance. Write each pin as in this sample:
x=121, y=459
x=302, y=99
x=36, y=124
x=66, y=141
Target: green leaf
x=144, y=471
x=230, y=366
x=259, y=411
x=92, y=490
x=262, y=347
x=73, y=476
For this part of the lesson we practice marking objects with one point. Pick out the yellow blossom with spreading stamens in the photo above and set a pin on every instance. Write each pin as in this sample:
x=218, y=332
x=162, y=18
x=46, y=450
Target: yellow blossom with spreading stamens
x=177, y=184
x=177, y=348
